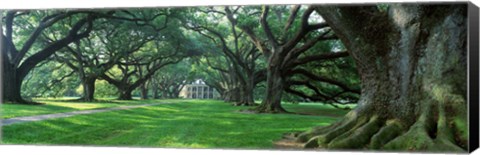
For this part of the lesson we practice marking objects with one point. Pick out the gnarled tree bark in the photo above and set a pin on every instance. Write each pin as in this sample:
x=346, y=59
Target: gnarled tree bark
x=412, y=63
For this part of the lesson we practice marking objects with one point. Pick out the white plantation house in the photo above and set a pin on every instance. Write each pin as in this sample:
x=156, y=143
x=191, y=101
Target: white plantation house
x=198, y=90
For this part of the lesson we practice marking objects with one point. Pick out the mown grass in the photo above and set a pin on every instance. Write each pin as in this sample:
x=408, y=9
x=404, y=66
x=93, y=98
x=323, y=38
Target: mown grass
x=181, y=124
x=50, y=106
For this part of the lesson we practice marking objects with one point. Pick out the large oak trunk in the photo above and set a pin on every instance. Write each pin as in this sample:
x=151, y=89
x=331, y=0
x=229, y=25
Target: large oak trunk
x=246, y=98
x=155, y=92
x=232, y=95
x=143, y=92
x=88, y=84
x=412, y=63
x=11, y=84
x=125, y=94
x=274, y=91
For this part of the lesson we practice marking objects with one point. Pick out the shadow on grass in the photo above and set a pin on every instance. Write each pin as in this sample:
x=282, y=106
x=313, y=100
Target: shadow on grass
x=16, y=110
x=188, y=124
x=51, y=106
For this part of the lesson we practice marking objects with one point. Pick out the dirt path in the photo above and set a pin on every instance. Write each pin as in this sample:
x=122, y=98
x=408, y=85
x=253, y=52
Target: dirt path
x=288, y=142
x=24, y=119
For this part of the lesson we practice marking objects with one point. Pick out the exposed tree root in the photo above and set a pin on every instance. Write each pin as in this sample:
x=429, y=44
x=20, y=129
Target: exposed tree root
x=416, y=138
x=391, y=130
x=270, y=108
x=457, y=119
x=305, y=136
x=288, y=142
x=324, y=136
x=433, y=131
x=357, y=137
x=445, y=140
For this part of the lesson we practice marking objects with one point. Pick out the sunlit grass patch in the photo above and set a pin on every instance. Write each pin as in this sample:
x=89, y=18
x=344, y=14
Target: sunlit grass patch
x=60, y=105
x=183, y=124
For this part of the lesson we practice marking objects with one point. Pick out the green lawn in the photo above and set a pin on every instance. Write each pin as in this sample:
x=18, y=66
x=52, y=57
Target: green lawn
x=184, y=123
x=59, y=105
